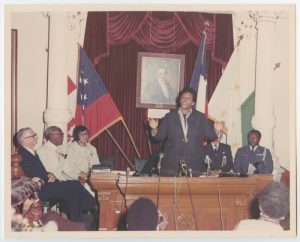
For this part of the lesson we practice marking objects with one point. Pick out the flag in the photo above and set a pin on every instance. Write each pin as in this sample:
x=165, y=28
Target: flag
x=199, y=76
x=225, y=103
x=71, y=88
x=95, y=107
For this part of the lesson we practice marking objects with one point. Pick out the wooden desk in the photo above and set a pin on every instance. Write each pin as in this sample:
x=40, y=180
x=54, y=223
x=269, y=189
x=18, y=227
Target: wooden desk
x=197, y=203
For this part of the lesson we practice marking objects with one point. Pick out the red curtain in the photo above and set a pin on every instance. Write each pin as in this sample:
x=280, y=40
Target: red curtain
x=113, y=40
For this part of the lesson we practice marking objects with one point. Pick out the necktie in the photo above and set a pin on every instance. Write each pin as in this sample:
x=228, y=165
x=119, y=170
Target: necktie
x=215, y=148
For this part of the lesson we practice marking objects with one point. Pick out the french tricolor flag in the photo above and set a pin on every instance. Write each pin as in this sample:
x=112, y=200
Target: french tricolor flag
x=199, y=77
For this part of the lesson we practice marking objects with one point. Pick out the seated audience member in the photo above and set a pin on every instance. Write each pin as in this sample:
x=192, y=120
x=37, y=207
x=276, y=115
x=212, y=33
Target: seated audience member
x=81, y=156
x=51, y=153
x=50, y=221
x=20, y=223
x=81, y=205
x=253, y=158
x=220, y=156
x=274, y=207
x=285, y=223
x=143, y=215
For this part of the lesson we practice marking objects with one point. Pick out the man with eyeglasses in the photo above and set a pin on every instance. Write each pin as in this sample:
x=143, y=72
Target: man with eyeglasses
x=52, y=152
x=79, y=201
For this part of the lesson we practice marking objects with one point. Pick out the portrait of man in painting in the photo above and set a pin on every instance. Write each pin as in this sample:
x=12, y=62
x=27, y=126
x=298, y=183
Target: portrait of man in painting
x=160, y=79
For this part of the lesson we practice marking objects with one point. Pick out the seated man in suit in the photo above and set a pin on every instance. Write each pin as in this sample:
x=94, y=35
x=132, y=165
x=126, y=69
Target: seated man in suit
x=253, y=158
x=80, y=202
x=220, y=156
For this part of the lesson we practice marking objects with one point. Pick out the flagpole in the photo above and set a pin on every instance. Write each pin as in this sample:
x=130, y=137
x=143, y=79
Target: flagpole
x=148, y=139
x=121, y=150
x=131, y=139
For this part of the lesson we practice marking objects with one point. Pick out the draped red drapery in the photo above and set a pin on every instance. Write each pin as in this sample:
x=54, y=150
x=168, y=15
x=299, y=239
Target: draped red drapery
x=113, y=40
x=154, y=31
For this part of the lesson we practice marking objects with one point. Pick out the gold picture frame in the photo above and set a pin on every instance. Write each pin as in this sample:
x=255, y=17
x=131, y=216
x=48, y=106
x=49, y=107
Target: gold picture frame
x=159, y=78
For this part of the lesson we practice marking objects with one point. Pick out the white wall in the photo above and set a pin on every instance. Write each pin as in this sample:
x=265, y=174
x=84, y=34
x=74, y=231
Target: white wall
x=32, y=69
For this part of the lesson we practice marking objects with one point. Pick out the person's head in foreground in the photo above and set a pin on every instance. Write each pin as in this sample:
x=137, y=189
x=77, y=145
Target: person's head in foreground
x=142, y=215
x=274, y=201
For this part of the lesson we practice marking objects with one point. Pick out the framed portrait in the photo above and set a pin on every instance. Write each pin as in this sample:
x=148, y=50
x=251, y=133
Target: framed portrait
x=159, y=79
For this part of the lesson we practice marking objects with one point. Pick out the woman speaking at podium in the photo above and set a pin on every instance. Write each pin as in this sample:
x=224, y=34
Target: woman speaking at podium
x=184, y=130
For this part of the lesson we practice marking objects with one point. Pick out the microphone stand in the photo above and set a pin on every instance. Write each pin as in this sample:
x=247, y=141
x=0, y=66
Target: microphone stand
x=158, y=185
x=224, y=160
x=207, y=162
x=182, y=170
x=161, y=155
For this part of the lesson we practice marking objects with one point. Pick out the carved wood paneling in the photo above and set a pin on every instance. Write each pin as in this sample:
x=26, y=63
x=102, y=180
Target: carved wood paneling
x=198, y=204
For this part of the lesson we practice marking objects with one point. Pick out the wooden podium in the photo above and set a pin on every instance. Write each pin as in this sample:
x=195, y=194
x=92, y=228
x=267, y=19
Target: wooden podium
x=194, y=203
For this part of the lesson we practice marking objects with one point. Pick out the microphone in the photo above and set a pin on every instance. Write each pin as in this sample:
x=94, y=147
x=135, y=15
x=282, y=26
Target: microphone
x=190, y=172
x=224, y=159
x=182, y=168
x=161, y=155
x=127, y=171
x=207, y=162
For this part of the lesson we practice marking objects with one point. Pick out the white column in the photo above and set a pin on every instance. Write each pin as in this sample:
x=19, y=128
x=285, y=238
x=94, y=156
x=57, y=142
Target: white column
x=263, y=119
x=62, y=26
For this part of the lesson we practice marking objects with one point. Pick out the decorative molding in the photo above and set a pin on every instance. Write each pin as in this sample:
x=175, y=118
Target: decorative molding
x=74, y=20
x=271, y=17
x=244, y=26
x=104, y=196
x=246, y=22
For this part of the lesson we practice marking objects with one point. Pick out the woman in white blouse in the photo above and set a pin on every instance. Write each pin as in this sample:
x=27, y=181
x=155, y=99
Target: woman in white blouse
x=81, y=155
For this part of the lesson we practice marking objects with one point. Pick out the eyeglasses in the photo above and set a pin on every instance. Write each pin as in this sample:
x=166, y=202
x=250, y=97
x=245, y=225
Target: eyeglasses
x=83, y=134
x=58, y=134
x=31, y=136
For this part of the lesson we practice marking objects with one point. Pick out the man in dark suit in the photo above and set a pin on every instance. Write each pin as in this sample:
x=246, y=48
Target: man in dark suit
x=253, y=158
x=219, y=155
x=78, y=200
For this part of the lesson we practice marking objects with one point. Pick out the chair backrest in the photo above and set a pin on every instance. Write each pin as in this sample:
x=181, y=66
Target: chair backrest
x=139, y=163
x=108, y=161
x=16, y=169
